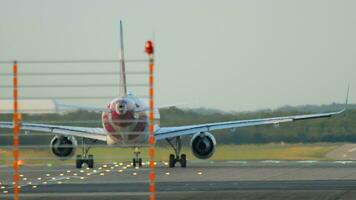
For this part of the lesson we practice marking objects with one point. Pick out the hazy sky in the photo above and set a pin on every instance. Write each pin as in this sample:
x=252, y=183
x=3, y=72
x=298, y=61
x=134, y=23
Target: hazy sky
x=231, y=55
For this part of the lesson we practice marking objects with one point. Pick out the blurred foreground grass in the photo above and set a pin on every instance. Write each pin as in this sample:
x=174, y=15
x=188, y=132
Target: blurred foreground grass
x=222, y=152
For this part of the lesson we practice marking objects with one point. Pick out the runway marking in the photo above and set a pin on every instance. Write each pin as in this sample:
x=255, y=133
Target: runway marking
x=307, y=161
x=99, y=194
x=271, y=161
x=352, y=150
x=344, y=162
x=236, y=162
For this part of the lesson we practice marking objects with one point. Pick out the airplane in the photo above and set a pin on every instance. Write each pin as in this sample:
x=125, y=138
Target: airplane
x=125, y=124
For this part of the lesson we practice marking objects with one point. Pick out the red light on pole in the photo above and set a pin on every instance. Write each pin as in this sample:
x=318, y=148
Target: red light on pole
x=149, y=47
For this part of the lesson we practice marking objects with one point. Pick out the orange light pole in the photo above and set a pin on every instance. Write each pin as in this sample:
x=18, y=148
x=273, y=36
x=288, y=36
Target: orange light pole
x=16, y=130
x=150, y=50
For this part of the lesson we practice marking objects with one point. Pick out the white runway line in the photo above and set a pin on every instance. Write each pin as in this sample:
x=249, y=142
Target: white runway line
x=236, y=162
x=307, y=161
x=344, y=162
x=271, y=161
x=352, y=150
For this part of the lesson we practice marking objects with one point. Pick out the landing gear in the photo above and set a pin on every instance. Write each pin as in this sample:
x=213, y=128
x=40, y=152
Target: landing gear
x=84, y=158
x=137, y=160
x=173, y=159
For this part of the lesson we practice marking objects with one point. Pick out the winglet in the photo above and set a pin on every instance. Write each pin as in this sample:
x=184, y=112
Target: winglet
x=346, y=101
x=347, y=96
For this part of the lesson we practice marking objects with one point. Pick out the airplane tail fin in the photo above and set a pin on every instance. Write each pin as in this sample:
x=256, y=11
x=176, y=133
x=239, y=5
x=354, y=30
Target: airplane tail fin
x=123, y=87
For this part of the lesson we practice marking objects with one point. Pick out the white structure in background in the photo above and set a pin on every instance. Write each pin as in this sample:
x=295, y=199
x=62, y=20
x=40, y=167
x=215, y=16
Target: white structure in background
x=29, y=106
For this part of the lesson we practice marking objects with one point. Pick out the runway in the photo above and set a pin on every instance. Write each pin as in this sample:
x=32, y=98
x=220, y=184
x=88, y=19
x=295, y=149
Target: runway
x=268, y=179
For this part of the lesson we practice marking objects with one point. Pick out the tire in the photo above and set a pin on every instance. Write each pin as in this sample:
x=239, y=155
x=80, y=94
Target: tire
x=91, y=161
x=172, y=161
x=78, y=162
x=140, y=162
x=134, y=162
x=183, y=161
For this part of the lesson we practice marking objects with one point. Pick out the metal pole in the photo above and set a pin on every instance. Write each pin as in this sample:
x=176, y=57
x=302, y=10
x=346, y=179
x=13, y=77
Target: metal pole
x=152, y=188
x=16, y=130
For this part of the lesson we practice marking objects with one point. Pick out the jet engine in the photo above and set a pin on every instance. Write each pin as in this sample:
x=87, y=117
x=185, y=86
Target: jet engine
x=203, y=145
x=63, y=146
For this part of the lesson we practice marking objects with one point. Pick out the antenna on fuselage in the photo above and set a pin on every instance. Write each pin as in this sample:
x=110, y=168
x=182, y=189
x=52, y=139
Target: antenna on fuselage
x=123, y=88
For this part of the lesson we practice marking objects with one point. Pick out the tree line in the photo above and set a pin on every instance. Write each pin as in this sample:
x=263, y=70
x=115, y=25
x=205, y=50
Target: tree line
x=340, y=128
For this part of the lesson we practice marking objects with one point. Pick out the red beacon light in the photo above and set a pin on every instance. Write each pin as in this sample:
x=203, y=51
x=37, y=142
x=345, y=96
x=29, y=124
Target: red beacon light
x=149, y=47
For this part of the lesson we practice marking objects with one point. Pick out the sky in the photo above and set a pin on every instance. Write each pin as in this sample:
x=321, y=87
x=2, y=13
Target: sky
x=231, y=55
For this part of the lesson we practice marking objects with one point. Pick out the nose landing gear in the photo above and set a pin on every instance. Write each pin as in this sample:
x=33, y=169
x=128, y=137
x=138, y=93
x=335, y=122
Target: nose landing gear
x=137, y=160
x=84, y=157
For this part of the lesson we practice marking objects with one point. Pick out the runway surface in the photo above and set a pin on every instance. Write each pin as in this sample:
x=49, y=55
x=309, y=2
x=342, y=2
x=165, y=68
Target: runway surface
x=267, y=179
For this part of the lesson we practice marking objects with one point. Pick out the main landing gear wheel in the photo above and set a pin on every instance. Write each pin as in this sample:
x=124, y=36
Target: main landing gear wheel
x=84, y=158
x=78, y=162
x=173, y=159
x=137, y=160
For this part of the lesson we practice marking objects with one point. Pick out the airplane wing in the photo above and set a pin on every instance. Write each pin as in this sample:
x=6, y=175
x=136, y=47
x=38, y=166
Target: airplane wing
x=86, y=132
x=170, y=132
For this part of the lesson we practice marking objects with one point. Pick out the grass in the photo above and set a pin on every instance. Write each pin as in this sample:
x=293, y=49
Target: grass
x=223, y=152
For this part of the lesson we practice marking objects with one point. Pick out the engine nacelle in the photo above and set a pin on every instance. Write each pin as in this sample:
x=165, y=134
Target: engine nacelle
x=63, y=146
x=203, y=145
